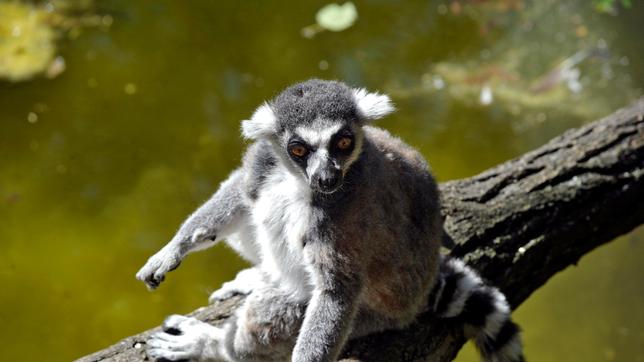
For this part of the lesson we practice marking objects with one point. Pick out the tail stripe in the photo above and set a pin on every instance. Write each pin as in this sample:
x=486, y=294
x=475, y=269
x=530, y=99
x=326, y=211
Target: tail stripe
x=508, y=331
x=467, y=282
x=461, y=293
x=447, y=295
x=501, y=313
x=478, y=307
x=505, y=347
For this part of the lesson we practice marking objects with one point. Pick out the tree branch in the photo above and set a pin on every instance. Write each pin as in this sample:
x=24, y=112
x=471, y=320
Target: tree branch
x=518, y=224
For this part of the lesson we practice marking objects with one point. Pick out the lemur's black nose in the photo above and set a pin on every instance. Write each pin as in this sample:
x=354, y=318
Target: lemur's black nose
x=328, y=184
x=329, y=181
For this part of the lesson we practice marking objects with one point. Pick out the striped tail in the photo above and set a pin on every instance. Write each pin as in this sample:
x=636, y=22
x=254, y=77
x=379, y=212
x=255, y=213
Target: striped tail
x=461, y=293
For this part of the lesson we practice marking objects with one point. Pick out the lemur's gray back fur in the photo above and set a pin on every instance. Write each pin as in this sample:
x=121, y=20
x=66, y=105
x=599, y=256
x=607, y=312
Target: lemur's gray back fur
x=342, y=223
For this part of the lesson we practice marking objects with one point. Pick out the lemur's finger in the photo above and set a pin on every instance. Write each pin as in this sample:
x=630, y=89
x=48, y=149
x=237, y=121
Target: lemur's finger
x=174, y=265
x=162, y=354
x=173, y=322
x=151, y=282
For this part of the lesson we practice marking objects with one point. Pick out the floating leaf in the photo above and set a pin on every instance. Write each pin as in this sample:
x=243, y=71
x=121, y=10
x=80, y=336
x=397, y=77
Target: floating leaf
x=29, y=32
x=335, y=17
x=26, y=41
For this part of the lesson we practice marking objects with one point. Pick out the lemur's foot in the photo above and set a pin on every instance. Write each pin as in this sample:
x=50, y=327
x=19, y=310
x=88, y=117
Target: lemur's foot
x=154, y=270
x=185, y=338
x=243, y=284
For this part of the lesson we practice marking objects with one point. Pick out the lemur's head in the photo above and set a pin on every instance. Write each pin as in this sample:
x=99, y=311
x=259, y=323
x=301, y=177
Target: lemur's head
x=317, y=127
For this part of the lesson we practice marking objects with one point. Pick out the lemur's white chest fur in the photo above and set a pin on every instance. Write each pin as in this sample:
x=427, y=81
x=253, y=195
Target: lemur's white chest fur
x=281, y=216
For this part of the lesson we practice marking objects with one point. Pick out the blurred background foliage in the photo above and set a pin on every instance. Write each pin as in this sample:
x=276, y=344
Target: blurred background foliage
x=118, y=118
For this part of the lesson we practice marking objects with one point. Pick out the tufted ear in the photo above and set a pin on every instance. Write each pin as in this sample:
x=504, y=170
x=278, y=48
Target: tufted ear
x=261, y=124
x=372, y=105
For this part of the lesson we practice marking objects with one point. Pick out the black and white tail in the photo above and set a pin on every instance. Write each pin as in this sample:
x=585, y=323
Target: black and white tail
x=461, y=293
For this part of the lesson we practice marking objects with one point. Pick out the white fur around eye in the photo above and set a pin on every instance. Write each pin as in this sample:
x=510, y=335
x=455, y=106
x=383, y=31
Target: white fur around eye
x=262, y=123
x=372, y=105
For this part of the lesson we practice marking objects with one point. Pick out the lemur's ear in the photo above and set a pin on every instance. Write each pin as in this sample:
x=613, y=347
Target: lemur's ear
x=372, y=106
x=262, y=123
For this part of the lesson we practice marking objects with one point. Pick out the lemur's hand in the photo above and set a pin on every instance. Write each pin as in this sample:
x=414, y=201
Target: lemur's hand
x=165, y=260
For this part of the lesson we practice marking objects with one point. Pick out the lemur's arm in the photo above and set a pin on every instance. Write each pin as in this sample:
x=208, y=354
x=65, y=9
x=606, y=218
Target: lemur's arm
x=211, y=222
x=333, y=306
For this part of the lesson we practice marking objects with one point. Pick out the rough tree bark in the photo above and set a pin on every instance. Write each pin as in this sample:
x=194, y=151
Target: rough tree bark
x=518, y=224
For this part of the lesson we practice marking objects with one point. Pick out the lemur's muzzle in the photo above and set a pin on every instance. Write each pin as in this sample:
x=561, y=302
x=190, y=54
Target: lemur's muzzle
x=327, y=180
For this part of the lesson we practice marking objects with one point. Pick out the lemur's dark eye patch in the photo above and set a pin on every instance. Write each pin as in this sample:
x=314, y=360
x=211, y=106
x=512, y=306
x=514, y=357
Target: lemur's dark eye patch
x=297, y=149
x=344, y=143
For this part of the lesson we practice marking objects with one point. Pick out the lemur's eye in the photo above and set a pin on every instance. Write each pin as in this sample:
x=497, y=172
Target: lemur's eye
x=298, y=150
x=344, y=143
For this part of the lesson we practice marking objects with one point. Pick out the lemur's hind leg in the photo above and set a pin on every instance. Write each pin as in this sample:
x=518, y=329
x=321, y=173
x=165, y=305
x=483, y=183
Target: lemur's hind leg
x=244, y=283
x=264, y=329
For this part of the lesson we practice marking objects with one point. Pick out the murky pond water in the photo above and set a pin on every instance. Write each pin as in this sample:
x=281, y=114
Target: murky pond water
x=139, y=122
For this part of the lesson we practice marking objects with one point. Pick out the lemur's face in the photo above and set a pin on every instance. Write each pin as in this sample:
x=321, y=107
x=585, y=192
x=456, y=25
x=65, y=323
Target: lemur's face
x=317, y=126
x=323, y=151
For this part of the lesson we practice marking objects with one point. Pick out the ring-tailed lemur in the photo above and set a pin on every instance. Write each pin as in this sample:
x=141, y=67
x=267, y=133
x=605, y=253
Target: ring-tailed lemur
x=342, y=223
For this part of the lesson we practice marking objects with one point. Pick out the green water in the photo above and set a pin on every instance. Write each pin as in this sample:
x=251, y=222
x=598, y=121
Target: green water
x=143, y=125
